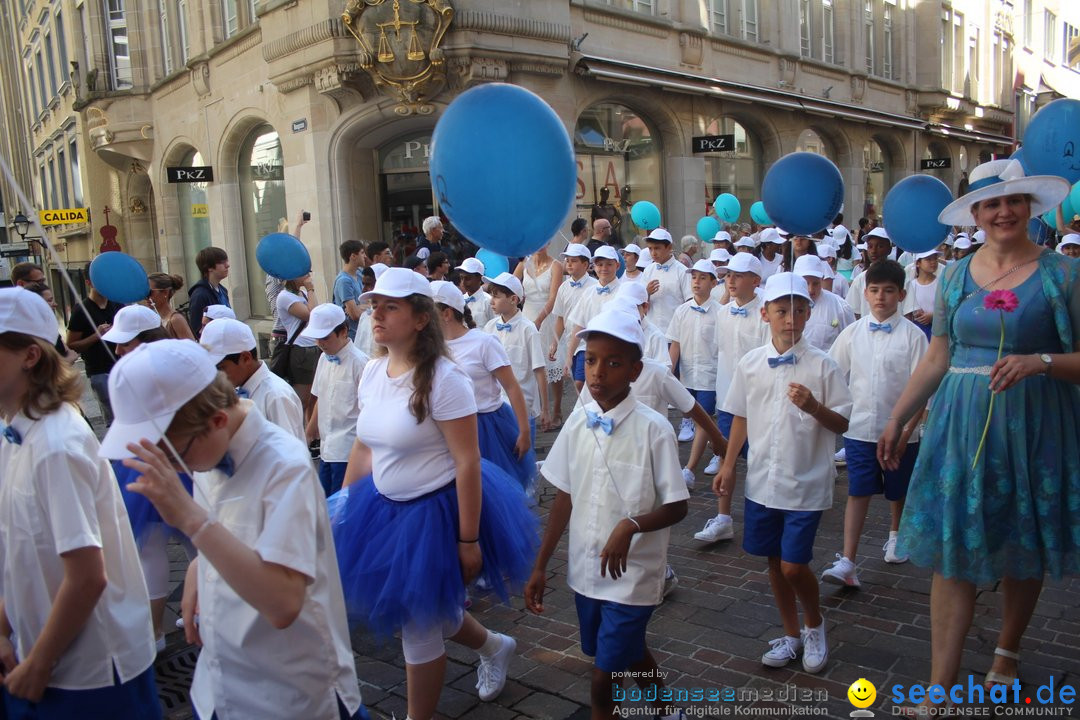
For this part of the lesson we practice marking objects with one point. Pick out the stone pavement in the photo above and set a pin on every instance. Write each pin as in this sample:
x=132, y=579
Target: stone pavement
x=710, y=634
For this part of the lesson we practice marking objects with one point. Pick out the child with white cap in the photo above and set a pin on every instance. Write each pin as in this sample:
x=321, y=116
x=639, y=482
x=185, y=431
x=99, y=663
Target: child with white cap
x=615, y=466
x=75, y=630
x=337, y=380
x=522, y=342
x=692, y=333
x=576, y=258
x=722, y=241
x=133, y=325
x=793, y=400
x=720, y=258
x=634, y=296
x=217, y=312
x=666, y=279
x=605, y=263
x=830, y=313
x=1070, y=245
x=471, y=277
x=631, y=254
x=271, y=619
x=962, y=247
x=834, y=282
x=745, y=244
x=922, y=291
x=770, y=244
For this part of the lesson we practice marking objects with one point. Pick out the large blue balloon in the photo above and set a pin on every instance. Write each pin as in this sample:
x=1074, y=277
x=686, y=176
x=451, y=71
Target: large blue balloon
x=1019, y=155
x=503, y=168
x=803, y=192
x=758, y=214
x=911, y=213
x=119, y=277
x=707, y=227
x=283, y=256
x=494, y=263
x=645, y=215
x=727, y=207
x=1038, y=231
x=1052, y=141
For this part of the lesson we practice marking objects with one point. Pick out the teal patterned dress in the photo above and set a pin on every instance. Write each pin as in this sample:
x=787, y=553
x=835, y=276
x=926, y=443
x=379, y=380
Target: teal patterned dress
x=1017, y=514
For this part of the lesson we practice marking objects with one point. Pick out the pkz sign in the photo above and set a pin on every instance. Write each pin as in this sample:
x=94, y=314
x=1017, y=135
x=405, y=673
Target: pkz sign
x=935, y=163
x=713, y=143
x=194, y=174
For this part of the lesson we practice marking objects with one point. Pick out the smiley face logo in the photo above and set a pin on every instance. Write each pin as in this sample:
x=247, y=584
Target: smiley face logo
x=862, y=693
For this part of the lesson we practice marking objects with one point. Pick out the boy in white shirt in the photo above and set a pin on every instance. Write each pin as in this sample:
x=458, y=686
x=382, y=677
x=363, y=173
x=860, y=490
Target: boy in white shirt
x=605, y=264
x=636, y=299
x=831, y=314
x=335, y=387
x=666, y=279
x=720, y=258
x=472, y=285
x=521, y=340
x=616, y=468
x=878, y=247
x=232, y=346
x=576, y=258
x=792, y=399
x=833, y=281
x=878, y=355
x=692, y=332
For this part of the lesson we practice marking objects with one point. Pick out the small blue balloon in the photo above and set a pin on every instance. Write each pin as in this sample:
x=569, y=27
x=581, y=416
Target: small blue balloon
x=1052, y=141
x=503, y=168
x=645, y=215
x=494, y=263
x=119, y=277
x=707, y=227
x=622, y=266
x=803, y=192
x=911, y=212
x=1050, y=217
x=758, y=214
x=283, y=256
x=727, y=207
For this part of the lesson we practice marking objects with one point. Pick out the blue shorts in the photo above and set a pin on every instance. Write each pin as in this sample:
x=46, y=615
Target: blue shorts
x=579, y=366
x=706, y=399
x=135, y=699
x=867, y=477
x=611, y=632
x=723, y=421
x=331, y=476
x=787, y=534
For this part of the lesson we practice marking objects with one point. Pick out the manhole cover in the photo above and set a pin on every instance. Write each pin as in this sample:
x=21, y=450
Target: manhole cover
x=173, y=672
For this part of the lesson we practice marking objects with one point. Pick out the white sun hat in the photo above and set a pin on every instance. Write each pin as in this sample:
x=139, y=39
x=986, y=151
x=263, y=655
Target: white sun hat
x=999, y=178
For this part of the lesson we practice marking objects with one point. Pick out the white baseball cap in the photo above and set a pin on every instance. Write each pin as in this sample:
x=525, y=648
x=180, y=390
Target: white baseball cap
x=704, y=266
x=877, y=232
x=785, y=284
x=632, y=248
x=130, y=321
x=928, y=253
x=217, y=312
x=27, y=313
x=1070, y=239
x=978, y=237
x=720, y=255
x=644, y=259
x=448, y=294
x=617, y=323
x=809, y=265
x=635, y=292
x=398, y=283
x=226, y=337
x=622, y=303
x=722, y=236
x=861, y=247
x=474, y=266
x=572, y=250
x=825, y=250
x=606, y=252
x=148, y=385
x=322, y=321
x=744, y=242
x=770, y=235
x=508, y=281
x=423, y=253
x=659, y=235
x=379, y=269
x=782, y=232
x=962, y=243
x=745, y=262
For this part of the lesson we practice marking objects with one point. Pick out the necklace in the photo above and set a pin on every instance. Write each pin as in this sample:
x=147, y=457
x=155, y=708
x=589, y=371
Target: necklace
x=999, y=278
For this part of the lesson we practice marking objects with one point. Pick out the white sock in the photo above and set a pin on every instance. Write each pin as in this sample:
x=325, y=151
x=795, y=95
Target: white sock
x=722, y=516
x=491, y=645
x=796, y=640
x=893, y=534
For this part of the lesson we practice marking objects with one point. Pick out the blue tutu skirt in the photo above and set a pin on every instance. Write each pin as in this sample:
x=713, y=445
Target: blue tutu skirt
x=498, y=433
x=141, y=512
x=399, y=560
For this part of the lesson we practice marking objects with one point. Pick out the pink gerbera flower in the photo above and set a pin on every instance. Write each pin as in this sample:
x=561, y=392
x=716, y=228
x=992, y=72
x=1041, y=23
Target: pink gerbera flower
x=1004, y=300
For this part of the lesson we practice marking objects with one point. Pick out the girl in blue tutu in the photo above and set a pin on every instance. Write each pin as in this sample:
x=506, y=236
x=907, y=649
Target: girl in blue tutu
x=424, y=514
x=504, y=434
x=1012, y=511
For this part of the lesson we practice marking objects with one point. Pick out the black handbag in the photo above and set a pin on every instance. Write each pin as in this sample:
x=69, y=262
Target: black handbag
x=279, y=358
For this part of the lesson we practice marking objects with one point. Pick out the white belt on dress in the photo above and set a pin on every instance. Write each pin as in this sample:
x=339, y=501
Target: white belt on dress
x=977, y=370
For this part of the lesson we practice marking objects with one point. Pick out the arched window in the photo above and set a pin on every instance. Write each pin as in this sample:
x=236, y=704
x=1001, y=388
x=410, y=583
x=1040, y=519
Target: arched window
x=736, y=171
x=810, y=141
x=261, y=170
x=876, y=178
x=406, y=184
x=194, y=217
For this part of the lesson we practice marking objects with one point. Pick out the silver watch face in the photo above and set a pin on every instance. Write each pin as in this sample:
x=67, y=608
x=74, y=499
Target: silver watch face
x=1045, y=358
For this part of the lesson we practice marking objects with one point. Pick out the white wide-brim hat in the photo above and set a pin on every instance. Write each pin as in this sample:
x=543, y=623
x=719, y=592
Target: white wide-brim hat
x=999, y=178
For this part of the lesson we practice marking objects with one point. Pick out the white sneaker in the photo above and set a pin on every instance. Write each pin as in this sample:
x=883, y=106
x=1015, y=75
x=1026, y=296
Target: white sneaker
x=688, y=477
x=784, y=650
x=815, y=650
x=159, y=644
x=714, y=465
x=840, y=458
x=891, y=556
x=717, y=528
x=671, y=581
x=686, y=430
x=491, y=672
x=842, y=572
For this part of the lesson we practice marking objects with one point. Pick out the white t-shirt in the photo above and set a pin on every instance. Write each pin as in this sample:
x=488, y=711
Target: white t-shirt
x=656, y=343
x=277, y=401
x=694, y=327
x=57, y=495
x=770, y=267
x=336, y=385
x=290, y=322
x=480, y=355
x=655, y=387
x=523, y=347
x=921, y=297
x=365, y=338
x=410, y=459
x=674, y=290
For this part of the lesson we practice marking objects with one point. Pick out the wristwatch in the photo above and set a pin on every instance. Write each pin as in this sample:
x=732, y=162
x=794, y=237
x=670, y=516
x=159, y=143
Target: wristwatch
x=1049, y=362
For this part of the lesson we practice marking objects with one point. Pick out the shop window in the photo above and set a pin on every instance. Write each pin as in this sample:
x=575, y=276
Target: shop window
x=194, y=217
x=261, y=172
x=737, y=171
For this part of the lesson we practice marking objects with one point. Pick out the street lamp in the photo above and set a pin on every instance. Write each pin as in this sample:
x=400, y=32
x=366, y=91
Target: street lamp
x=22, y=225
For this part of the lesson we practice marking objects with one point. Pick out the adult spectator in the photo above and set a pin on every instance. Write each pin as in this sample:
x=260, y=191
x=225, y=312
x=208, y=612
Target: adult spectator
x=438, y=265
x=162, y=288
x=25, y=273
x=273, y=285
x=213, y=264
x=579, y=231
x=433, y=235
x=84, y=337
x=601, y=235
x=347, y=285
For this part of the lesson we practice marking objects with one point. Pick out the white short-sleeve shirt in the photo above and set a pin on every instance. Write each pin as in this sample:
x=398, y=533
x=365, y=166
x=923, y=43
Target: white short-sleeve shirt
x=656, y=388
x=272, y=503
x=593, y=300
x=480, y=355
x=410, y=459
x=57, y=495
x=737, y=333
x=674, y=290
x=336, y=386
x=523, y=347
x=479, y=305
x=694, y=327
x=656, y=343
x=828, y=316
x=790, y=466
x=277, y=401
x=633, y=471
x=290, y=322
x=770, y=267
x=919, y=296
x=569, y=294
x=365, y=338
x=877, y=366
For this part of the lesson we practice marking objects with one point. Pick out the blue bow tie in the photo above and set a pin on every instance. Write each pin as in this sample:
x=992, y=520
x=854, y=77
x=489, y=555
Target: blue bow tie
x=781, y=360
x=470, y=299
x=242, y=393
x=333, y=359
x=226, y=465
x=504, y=327
x=698, y=308
x=886, y=327
x=593, y=419
x=665, y=268
x=603, y=290
x=738, y=311
x=576, y=284
x=12, y=435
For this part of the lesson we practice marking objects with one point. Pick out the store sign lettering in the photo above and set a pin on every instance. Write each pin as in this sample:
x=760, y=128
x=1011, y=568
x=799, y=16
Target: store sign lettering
x=62, y=217
x=595, y=172
x=414, y=146
x=193, y=174
x=935, y=163
x=616, y=146
x=200, y=210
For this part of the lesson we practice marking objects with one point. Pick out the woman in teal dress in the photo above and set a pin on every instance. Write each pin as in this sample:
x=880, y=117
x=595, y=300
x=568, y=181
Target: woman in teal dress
x=1015, y=516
